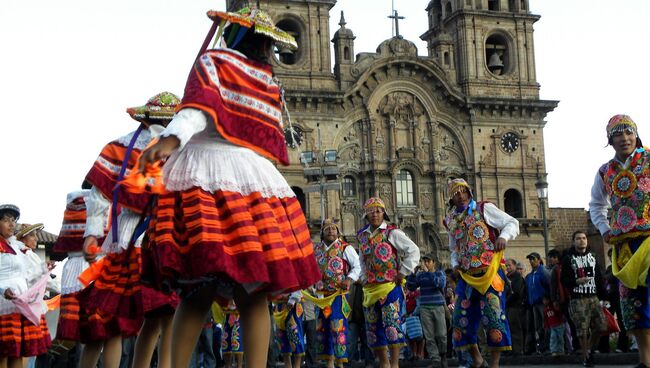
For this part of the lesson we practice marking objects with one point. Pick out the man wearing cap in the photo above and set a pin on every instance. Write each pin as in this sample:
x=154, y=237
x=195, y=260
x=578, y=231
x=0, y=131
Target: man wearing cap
x=387, y=257
x=623, y=184
x=432, y=308
x=339, y=266
x=27, y=235
x=538, y=286
x=477, y=254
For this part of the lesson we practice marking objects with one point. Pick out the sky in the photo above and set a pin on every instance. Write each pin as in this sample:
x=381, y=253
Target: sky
x=69, y=69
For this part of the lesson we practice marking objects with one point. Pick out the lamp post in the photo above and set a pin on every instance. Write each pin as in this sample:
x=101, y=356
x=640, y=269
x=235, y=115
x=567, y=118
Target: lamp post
x=324, y=174
x=542, y=193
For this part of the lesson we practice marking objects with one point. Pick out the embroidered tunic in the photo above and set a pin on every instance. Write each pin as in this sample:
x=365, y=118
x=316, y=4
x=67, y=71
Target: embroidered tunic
x=336, y=262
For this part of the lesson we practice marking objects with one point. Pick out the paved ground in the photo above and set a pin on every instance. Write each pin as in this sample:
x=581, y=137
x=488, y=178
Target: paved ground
x=618, y=360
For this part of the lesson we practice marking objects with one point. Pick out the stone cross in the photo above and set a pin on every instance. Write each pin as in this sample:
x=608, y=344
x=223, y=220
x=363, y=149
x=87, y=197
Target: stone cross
x=396, y=17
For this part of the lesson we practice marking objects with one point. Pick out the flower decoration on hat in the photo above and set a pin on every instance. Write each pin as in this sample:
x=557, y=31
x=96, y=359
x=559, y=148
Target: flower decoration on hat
x=261, y=23
x=373, y=203
x=329, y=222
x=619, y=123
x=160, y=108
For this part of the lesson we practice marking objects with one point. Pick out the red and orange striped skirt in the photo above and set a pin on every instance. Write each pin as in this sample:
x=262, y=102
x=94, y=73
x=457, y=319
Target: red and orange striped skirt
x=20, y=338
x=68, y=326
x=250, y=240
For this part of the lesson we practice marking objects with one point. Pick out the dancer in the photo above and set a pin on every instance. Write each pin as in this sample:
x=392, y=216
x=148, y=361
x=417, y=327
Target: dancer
x=230, y=225
x=116, y=295
x=387, y=256
x=622, y=184
x=477, y=254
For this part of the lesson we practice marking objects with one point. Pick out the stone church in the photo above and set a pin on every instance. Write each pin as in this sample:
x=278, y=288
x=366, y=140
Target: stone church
x=398, y=125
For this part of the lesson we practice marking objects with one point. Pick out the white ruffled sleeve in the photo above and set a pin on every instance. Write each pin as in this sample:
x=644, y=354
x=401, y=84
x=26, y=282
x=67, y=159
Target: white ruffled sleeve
x=185, y=124
x=97, y=207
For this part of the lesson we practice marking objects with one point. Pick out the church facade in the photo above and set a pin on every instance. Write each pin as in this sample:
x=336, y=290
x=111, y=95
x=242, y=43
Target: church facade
x=397, y=125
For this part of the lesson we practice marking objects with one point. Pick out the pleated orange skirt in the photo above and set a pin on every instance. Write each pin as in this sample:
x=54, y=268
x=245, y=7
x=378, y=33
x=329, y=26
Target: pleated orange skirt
x=249, y=240
x=20, y=338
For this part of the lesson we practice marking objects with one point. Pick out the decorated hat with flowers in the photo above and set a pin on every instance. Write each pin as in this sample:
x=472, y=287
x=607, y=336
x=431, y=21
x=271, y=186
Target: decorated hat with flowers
x=618, y=123
x=261, y=23
x=329, y=222
x=159, y=109
x=375, y=202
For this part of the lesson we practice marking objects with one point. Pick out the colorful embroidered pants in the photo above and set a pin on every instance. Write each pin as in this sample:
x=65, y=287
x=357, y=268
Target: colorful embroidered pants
x=383, y=321
x=290, y=335
x=332, y=330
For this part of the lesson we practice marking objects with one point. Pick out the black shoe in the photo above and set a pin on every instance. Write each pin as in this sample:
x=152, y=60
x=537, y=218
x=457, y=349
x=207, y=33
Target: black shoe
x=590, y=361
x=641, y=365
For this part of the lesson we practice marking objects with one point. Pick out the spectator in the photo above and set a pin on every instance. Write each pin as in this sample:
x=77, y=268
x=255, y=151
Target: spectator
x=537, y=287
x=309, y=328
x=559, y=295
x=581, y=274
x=432, y=308
x=554, y=324
x=357, y=342
x=515, y=308
x=413, y=325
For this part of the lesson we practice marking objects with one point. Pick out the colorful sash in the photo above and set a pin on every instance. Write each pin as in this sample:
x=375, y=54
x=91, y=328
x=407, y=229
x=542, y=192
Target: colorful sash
x=635, y=272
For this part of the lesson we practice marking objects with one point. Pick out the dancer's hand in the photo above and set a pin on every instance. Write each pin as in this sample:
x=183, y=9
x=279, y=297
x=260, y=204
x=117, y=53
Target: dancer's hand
x=9, y=294
x=159, y=151
x=500, y=244
x=90, y=244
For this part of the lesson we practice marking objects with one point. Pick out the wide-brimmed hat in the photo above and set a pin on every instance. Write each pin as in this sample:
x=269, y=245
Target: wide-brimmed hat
x=261, y=23
x=26, y=229
x=10, y=208
x=618, y=123
x=375, y=202
x=158, y=109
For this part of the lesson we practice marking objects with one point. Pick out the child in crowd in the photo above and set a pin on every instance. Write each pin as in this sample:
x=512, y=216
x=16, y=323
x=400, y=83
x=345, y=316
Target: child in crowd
x=554, y=323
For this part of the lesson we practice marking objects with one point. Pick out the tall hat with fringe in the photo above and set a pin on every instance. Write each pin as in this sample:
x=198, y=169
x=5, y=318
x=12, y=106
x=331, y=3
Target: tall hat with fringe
x=619, y=123
x=159, y=109
x=454, y=186
x=375, y=202
x=259, y=20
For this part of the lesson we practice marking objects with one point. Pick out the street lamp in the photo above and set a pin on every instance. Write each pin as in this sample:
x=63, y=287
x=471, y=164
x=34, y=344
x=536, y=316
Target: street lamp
x=542, y=193
x=322, y=173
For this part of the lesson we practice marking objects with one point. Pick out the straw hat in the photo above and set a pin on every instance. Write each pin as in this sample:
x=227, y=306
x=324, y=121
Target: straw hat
x=158, y=109
x=261, y=23
x=26, y=229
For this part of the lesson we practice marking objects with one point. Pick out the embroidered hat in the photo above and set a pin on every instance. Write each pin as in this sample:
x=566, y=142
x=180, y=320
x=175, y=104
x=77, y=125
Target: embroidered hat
x=455, y=185
x=261, y=23
x=11, y=209
x=329, y=223
x=618, y=123
x=159, y=108
x=374, y=202
x=26, y=229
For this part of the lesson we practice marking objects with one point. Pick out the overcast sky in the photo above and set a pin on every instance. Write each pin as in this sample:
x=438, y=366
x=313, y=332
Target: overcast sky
x=70, y=68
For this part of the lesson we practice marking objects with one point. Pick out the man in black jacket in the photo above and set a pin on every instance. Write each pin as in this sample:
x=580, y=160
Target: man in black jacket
x=515, y=310
x=582, y=276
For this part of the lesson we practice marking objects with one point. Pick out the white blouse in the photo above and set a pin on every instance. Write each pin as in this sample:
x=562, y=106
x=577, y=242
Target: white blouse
x=16, y=273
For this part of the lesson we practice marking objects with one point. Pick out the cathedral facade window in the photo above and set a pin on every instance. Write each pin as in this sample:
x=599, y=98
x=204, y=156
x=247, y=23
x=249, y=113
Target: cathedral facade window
x=404, y=188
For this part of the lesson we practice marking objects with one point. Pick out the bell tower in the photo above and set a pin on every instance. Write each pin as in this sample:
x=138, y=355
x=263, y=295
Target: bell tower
x=488, y=44
x=310, y=67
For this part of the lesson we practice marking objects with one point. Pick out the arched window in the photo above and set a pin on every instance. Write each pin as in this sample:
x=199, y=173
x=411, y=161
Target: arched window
x=513, y=203
x=448, y=9
x=349, y=187
x=346, y=53
x=404, y=188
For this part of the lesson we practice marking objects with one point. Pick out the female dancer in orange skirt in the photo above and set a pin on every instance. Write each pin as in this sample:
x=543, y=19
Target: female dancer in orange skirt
x=116, y=297
x=18, y=336
x=230, y=225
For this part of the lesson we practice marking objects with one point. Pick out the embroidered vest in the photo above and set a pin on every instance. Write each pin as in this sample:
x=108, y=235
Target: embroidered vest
x=333, y=266
x=629, y=194
x=379, y=257
x=474, y=238
x=242, y=99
